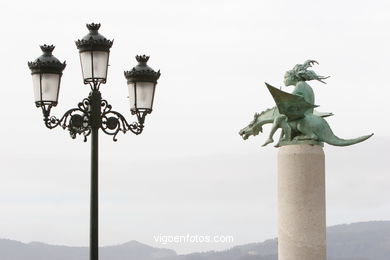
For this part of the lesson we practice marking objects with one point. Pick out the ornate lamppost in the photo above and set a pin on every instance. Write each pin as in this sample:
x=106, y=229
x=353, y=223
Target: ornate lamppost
x=93, y=113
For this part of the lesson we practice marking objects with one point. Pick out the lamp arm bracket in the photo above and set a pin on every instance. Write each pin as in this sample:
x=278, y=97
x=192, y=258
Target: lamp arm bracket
x=114, y=122
x=78, y=120
x=75, y=120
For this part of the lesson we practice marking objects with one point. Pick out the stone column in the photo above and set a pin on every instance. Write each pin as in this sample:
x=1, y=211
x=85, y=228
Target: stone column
x=301, y=203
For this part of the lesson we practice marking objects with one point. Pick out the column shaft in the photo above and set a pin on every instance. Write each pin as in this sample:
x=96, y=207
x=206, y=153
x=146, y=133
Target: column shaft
x=301, y=203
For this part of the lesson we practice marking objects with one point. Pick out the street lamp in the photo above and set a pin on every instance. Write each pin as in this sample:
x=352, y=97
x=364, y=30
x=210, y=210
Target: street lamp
x=46, y=74
x=93, y=113
x=94, y=51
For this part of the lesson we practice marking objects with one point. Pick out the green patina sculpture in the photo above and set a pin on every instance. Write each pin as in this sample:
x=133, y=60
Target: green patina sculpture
x=295, y=115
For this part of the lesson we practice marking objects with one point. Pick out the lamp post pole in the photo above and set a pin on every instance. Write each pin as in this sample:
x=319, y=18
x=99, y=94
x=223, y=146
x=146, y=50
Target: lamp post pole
x=94, y=225
x=93, y=113
x=94, y=232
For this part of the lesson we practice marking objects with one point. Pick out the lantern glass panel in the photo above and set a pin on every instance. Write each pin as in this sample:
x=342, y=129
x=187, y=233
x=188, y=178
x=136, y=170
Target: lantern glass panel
x=144, y=94
x=37, y=87
x=94, y=65
x=131, y=95
x=46, y=87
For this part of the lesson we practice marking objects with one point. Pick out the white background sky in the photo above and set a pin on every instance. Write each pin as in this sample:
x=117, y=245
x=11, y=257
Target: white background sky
x=190, y=172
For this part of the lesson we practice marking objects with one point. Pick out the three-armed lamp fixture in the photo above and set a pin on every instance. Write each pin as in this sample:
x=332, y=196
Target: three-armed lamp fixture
x=93, y=113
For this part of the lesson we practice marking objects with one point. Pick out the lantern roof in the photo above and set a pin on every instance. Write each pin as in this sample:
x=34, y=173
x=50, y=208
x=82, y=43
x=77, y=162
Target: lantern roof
x=94, y=41
x=142, y=72
x=47, y=62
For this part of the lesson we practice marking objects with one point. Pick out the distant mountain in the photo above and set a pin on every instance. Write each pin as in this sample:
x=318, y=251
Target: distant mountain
x=134, y=250
x=358, y=241
x=14, y=250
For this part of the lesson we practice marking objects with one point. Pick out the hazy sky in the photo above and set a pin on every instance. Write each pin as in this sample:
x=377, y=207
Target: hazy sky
x=190, y=172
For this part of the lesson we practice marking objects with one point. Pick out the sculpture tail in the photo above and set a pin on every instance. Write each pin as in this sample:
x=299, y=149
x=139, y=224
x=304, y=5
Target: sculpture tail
x=334, y=140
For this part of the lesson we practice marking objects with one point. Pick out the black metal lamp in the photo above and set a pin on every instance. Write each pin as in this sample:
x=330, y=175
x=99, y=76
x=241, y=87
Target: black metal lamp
x=94, y=51
x=141, y=81
x=46, y=73
x=93, y=113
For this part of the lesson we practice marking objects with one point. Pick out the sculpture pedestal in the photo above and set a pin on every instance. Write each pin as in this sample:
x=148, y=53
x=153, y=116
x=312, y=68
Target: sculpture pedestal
x=301, y=203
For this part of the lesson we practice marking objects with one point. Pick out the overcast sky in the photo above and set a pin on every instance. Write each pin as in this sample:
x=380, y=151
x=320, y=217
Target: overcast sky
x=190, y=172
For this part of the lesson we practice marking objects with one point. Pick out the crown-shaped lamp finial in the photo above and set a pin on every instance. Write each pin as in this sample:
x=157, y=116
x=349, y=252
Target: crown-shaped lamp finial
x=93, y=27
x=143, y=59
x=47, y=49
